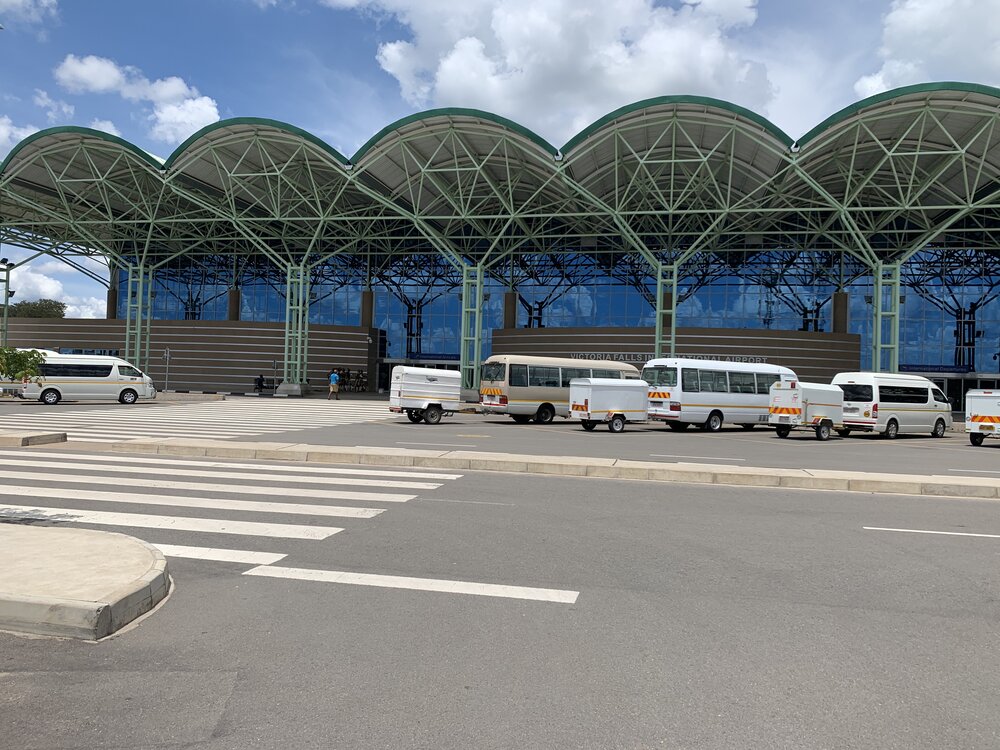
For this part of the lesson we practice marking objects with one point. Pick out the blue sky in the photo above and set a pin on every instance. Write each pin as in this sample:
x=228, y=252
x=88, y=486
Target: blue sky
x=154, y=72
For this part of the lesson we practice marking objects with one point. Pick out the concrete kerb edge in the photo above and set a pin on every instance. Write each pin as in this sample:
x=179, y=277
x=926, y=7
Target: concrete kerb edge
x=575, y=466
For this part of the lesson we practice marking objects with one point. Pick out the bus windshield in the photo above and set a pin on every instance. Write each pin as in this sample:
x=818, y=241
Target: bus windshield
x=660, y=376
x=494, y=371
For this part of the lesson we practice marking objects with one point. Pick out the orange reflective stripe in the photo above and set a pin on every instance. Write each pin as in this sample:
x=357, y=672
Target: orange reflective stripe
x=490, y=392
x=784, y=410
x=579, y=407
x=984, y=418
x=659, y=394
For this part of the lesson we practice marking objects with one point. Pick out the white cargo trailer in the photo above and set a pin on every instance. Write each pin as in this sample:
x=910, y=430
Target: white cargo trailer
x=425, y=394
x=982, y=415
x=616, y=402
x=815, y=406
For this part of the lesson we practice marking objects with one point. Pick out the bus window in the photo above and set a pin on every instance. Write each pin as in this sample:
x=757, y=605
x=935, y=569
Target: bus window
x=519, y=376
x=545, y=377
x=665, y=376
x=713, y=381
x=494, y=371
x=568, y=373
x=742, y=382
x=689, y=381
x=764, y=383
x=614, y=374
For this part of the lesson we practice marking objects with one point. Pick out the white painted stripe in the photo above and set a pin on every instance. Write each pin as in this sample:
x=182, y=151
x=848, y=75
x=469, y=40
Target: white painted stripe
x=238, y=489
x=246, y=506
x=220, y=555
x=443, y=445
x=297, y=468
x=12, y=464
x=710, y=458
x=925, y=531
x=418, y=584
x=175, y=523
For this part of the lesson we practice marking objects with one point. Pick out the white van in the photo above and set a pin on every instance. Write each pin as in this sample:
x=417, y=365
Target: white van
x=73, y=377
x=890, y=404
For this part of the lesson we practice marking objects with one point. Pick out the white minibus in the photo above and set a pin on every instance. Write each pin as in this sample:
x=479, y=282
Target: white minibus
x=73, y=377
x=537, y=388
x=709, y=392
x=890, y=404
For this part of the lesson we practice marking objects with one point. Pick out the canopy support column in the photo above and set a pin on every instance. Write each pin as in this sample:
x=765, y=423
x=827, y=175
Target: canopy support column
x=885, y=317
x=665, y=344
x=5, y=269
x=472, y=325
x=138, y=315
x=296, y=359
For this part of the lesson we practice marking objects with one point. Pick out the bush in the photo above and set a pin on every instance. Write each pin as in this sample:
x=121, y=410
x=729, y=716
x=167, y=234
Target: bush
x=16, y=364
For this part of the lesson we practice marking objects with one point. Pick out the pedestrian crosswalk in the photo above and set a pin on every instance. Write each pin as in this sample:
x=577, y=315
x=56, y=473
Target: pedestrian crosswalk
x=226, y=420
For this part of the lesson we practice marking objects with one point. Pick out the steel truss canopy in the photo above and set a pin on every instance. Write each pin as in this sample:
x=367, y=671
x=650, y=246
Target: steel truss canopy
x=660, y=182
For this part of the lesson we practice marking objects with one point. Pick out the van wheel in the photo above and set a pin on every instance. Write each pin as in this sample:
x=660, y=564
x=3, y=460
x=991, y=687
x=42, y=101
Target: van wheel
x=714, y=422
x=617, y=423
x=976, y=438
x=545, y=414
x=432, y=415
x=891, y=430
x=50, y=396
x=748, y=426
x=939, y=428
x=782, y=432
x=823, y=432
x=844, y=432
x=414, y=416
x=678, y=426
x=128, y=397
x=521, y=418
x=588, y=424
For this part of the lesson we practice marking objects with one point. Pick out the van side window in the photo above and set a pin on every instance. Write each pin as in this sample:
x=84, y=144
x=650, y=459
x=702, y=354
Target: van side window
x=741, y=382
x=53, y=370
x=568, y=373
x=519, y=375
x=689, y=381
x=713, y=381
x=938, y=396
x=764, y=382
x=902, y=394
x=128, y=372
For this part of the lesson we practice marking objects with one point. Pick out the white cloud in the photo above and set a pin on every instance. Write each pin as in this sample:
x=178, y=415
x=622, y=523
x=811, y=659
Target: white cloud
x=55, y=109
x=106, y=125
x=31, y=11
x=86, y=307
x=30, y=282
x=11, y=134
x=920, y=38
x=178, y=109
x=556, y=66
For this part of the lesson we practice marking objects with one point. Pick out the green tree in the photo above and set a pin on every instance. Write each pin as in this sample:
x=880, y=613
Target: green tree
x=42, y=308
x=19, y=363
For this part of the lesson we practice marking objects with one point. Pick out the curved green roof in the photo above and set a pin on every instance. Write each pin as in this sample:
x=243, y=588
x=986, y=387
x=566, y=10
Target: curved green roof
x=454, y=112
x=705, y=101
x=77, y=130
x=835, y=119
x=256, y=122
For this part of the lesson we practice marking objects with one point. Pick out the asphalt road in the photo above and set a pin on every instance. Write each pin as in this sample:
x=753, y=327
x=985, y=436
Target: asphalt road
x=706, y=617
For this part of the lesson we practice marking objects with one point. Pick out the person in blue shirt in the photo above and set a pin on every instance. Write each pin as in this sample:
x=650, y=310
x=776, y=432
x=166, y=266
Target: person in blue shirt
x=334, y=386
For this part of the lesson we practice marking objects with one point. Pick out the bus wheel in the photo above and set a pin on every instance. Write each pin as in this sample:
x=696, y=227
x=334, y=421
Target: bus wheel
x=50, y=397
x=823, y=432
x=521, y=418
x=939, y=428
x=891, y=430
x=432, y=415
x=844, y=432
x=545, y=414
x=617, y=423
x=128, y=397
x=414, y=416
x=782, y=432
x=748, y=426
x=588, y=424
x=714, y=422
x=678, y=426
x=976, y=438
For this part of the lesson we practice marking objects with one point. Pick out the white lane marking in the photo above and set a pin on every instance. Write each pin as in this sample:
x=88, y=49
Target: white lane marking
x=296, y=468
x=238, y=489
x=419, y=584
x=246, y=506
x=468, y=502
x=220, y=555
x=710, y=458
x=925, y=531
x=176, y=523
x=11, y=464
x=443, y=445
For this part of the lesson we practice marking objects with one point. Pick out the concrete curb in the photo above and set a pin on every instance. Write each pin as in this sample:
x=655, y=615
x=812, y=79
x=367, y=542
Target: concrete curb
x=85, y=618
x=602, y=468
x=22, y=439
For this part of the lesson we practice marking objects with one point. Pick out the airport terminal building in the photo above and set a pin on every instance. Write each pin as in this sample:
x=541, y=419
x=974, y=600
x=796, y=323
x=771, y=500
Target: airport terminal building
x=677, y=225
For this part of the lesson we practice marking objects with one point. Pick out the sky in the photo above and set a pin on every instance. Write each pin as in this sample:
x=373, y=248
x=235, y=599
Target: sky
x=156, y=72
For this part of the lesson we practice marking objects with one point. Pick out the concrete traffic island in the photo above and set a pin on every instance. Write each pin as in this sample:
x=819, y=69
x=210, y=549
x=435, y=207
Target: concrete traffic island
x=23, y=438
x=76, y=583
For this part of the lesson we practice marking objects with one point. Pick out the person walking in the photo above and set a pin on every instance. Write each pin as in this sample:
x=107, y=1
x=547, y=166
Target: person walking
x=334, y=386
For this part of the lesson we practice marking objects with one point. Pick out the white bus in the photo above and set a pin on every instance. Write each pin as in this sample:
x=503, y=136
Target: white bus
x=72, y=377
x=537, y=388
x=890, y=404
x=709, y=392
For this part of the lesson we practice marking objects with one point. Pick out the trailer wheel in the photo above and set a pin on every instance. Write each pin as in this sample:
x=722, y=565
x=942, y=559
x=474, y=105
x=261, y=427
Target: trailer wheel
x=782, y=431
x=588, y=424
x=521, y=418
x=545, y=414
x=714, y=422
x=617, y=423
x=432, y=414
x=844, y=431
x=976, y=438
x=414, y=416
x=939, y=428
x=823, y=431
x=678, y=426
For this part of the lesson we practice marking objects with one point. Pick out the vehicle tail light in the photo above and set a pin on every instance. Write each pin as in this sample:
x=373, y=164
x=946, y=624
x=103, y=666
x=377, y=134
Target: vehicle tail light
x=503, y=401
x=586, y=404
x=675, y=406
x=875, y=410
